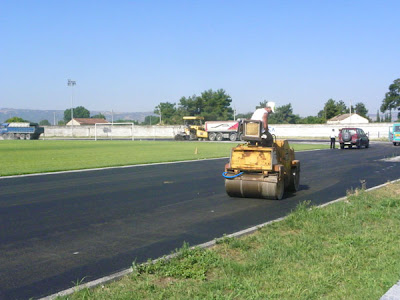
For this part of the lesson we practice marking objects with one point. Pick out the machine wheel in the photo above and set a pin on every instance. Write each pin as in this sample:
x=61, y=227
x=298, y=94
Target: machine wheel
x=193, y=136
x=233, y=137
x=240, y=136
x=219, y=137
x=395, y=143
x=276, y=190
x=212, y=136
x=255, y=189
x=359, y=145
x=21, y=136
x=294, y=182
x=341, y=146
x=367, y=145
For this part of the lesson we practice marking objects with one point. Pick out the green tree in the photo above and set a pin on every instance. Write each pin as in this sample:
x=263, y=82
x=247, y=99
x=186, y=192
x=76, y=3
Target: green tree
x=378, y=117
x=44, y=123
x=212, y=105
x=79, y=112
x=392, y=98
x=361, y=110
x=312, y=120
x=168, y=113
x=283, y=115
x=126, y=121
x=15, y=119
x=191, y=106
x=262, y=104
x=61, y=123
x=244, y=116
x=151, y=120
x=329, y=111
x=341, y=108
x=98, y=116
x=216, y=105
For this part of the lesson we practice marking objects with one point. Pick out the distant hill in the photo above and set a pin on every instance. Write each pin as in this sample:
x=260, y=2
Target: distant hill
x=52, y=116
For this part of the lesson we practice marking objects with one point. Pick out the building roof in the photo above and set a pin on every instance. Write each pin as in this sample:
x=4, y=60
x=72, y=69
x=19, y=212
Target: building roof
x=347, y=118
x=340, y=117
x=89, y=121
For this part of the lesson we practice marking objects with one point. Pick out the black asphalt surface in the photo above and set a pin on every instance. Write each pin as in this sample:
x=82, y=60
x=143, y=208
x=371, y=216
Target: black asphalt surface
x=58, y=229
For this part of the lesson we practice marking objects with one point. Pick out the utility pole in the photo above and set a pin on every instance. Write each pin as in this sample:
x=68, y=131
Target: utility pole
x=72, y=83
x=350, y=111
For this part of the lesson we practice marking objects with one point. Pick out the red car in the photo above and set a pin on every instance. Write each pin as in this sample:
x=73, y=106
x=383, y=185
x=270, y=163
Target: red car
x=353, y=137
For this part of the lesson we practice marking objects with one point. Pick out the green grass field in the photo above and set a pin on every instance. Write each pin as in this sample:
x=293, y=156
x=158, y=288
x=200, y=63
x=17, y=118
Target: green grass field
x=26, y=157
x=348, y=250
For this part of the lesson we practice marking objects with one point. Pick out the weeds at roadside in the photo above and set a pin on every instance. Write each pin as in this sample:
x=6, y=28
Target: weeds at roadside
x=189, y=263
x=79, y=282
x=347, y=250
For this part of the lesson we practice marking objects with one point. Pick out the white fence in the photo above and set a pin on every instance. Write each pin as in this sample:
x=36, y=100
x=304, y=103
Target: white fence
x=117, y=131
x=374, y=130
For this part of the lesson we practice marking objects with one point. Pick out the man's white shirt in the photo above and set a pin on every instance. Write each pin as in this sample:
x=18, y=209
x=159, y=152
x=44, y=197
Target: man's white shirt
x=258, y=114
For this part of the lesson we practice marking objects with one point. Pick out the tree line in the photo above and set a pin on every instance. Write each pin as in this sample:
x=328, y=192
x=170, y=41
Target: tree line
x=216, y=106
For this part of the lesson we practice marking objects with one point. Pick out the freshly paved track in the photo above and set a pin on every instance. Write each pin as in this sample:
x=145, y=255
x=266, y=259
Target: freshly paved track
x=57, y=229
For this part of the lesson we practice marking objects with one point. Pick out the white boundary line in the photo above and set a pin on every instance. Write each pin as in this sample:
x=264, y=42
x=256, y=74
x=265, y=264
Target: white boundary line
x=209, y=244
x=125, y=166
x=107, y=168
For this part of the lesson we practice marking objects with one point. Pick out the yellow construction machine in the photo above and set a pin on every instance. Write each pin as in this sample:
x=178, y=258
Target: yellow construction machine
x=256, y=171
x=194, y=129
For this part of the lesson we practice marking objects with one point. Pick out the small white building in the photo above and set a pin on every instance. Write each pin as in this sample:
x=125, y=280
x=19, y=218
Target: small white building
x=85, y=121
x=348, y=119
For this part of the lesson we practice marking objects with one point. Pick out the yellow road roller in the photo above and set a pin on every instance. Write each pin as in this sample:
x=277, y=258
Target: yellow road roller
x=259, y=171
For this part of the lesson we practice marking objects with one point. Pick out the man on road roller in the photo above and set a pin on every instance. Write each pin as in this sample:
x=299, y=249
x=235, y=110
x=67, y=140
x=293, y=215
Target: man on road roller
x=263, y=167
x=262, y=114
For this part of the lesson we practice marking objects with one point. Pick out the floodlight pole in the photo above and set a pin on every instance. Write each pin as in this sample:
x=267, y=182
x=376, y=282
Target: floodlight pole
x=350, y=111
x=159, y=108
x=72, y=83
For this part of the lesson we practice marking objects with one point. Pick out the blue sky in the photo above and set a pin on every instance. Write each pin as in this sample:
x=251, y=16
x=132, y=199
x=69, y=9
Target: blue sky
x=129, y=56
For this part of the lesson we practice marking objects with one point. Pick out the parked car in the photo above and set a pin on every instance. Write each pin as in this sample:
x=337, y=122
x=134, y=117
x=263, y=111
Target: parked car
x=353, y=137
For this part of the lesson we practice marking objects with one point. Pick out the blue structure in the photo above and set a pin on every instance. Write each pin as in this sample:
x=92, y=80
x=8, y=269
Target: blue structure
x=394, y=134
x=20, y=131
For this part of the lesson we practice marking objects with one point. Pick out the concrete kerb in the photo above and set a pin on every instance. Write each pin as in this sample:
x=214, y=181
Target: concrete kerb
x=392, y=294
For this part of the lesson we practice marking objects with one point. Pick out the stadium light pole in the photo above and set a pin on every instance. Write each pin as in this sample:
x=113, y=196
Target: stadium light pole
x=72, y=83
x=159, y=109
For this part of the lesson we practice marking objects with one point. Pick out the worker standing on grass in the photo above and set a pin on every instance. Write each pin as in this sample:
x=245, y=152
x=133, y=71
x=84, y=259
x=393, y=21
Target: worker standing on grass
x=333, y=139
x=262, y=114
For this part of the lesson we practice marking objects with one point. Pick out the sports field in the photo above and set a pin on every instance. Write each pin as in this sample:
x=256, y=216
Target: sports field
x=27, y=157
